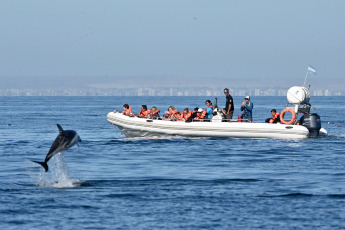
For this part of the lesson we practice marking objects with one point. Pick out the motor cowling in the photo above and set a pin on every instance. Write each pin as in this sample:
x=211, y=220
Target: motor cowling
x=312, y=122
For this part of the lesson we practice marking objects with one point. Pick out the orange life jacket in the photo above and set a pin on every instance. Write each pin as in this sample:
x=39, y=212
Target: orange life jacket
x=153, y=113
x=144, y=113
x=275, y=117
x=173, y=114
x=201, y=116
x=185, y=116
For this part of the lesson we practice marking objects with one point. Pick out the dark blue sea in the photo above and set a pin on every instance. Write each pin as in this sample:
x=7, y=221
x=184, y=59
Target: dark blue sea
x=110, y=182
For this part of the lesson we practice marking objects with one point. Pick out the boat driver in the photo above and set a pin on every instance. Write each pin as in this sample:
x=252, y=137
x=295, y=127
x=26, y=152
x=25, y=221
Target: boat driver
x=229, y=105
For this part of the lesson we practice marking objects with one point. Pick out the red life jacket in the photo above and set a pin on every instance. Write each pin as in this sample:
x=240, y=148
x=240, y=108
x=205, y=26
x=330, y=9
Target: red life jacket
x=240, y=117
x=273, y=118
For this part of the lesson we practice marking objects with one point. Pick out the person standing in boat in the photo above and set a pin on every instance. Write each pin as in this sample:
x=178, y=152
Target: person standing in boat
x=247, y=108
x=229, y=105
x=209, y=110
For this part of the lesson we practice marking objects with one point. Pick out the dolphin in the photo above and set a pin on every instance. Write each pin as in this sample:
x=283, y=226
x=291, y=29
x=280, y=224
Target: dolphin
x=65, y=140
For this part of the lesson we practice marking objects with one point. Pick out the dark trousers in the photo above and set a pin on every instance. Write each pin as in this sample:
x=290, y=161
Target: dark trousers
x=229, y=116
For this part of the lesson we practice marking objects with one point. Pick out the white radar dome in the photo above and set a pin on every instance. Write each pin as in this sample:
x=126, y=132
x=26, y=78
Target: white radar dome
x=298, y=95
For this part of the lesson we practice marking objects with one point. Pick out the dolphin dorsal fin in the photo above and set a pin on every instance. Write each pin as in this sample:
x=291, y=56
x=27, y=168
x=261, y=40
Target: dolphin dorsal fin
x=60, y=128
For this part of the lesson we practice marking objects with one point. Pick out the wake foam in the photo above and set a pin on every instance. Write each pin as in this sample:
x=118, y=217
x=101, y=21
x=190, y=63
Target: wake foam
x=56, y=177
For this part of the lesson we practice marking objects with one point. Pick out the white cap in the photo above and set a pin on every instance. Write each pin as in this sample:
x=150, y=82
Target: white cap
x=200, y=110
x=247, y=97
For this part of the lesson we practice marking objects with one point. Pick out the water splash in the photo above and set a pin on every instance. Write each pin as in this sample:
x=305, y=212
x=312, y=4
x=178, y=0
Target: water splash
x=57, y=176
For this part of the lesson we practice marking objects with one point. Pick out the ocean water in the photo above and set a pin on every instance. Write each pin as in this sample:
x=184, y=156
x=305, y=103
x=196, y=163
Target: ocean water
x=110, y=182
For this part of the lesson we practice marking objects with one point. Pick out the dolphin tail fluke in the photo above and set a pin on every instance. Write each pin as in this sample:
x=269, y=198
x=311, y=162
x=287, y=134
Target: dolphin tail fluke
x=44, y=165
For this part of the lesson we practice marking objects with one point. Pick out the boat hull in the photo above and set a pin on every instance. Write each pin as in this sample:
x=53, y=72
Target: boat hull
x=139, y=127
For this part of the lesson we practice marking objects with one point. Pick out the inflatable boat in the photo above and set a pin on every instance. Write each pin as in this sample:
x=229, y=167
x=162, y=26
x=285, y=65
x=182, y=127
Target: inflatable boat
x=309, y=125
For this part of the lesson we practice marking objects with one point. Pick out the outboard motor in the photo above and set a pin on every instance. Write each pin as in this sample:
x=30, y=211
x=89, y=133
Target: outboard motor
x=312, y=122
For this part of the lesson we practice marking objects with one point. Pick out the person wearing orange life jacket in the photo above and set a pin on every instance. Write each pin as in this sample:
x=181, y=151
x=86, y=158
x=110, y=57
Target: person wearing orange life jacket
x=200, y=115
x=275, y=117
x=144, y=112
x=155, y=113
x=186, y=115
x=127, y=110
x=172, y=114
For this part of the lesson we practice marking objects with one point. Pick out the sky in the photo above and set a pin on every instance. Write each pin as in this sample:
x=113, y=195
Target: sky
x=57, y=43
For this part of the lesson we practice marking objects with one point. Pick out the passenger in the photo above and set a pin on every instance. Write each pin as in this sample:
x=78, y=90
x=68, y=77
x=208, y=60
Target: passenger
x=200, y=115
x=209, y=110
x=144, y=112
x=194, y=113
x=275, y=117
x=172, y=114
x=127, y=110
x=155, y=113
x=186, y=115
x=229, y=105
x=247, y=108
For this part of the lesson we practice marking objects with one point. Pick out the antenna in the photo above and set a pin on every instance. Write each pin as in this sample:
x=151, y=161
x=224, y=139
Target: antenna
x=305, y=79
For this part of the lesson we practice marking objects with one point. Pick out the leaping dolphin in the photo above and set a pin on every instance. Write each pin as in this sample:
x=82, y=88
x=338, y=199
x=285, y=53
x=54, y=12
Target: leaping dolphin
x=65, y=140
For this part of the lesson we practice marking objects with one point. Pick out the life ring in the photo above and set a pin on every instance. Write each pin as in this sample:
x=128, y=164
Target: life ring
x=282, y=116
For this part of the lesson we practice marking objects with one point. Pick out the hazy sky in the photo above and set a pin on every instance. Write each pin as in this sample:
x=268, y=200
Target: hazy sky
x=183, y=38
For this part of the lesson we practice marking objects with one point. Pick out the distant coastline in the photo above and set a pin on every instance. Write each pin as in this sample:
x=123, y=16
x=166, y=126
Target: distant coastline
x=159, y=91
x=163, y=86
